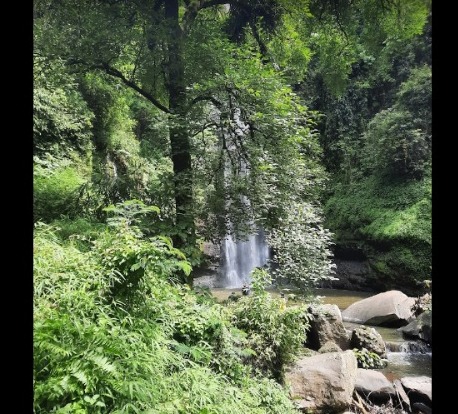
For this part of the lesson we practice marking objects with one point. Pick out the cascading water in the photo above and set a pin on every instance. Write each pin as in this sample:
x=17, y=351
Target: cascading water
x=405, y=357
x=241, y=257
x=408, y=347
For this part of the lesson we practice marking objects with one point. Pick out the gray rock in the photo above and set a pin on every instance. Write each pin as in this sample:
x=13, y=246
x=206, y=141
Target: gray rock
x=326, y=326
x=392, y=308
x=420, y=328
x=374, y=386
x=402, y=396
x=329, y=347
x=369, y=338
x=418, y=389
x=324, y=382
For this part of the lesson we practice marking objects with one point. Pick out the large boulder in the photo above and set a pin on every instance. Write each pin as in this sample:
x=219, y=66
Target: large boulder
x=392, y=308
x=367, y=337
x=326, y=326
x=324, y=382
x=419, y=389
x=420, y=328
x=374, y=386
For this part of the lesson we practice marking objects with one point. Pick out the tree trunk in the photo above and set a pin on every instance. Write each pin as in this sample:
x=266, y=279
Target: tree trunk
x=179, y=138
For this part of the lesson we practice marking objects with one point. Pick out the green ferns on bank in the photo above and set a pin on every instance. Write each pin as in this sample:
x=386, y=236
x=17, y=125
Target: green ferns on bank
x=390, y=221
x=57, y=184
x=385, y=208
x=161, y=349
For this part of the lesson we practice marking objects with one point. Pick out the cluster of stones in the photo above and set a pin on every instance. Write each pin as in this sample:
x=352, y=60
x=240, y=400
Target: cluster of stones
x=329, y=380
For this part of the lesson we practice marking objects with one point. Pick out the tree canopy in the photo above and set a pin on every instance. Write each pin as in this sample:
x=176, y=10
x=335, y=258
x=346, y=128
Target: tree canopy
x=218, y=86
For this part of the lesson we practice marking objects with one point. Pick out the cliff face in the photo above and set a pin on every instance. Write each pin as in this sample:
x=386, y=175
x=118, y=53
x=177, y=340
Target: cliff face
x=368, y=269
x=382, y=230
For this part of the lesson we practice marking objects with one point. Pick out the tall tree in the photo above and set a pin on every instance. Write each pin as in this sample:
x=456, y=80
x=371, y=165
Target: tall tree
x=142, y=44
x=237, y=73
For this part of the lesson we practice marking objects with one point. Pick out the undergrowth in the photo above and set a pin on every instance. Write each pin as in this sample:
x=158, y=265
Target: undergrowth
x=115, y=333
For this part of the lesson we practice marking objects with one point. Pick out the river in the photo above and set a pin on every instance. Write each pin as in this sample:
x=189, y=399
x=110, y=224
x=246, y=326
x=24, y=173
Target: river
x=403, y=360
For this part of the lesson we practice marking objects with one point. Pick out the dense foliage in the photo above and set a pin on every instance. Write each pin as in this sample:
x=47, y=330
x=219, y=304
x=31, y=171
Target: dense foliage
x=376, y=137
x=195, y=125
x=301, y=248
x=275, y=332
x=158, y=125
x=159, y=349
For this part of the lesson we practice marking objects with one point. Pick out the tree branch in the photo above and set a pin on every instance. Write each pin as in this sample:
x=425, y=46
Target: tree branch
x=261, y=44
x=201, y=130
x=192, y=8
x=337, y=15
x=210, y=98
x=118, y=74
x=137, y=58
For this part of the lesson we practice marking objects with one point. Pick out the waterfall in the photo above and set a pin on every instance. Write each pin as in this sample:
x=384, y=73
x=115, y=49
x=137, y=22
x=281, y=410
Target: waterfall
x=408, y=347
x=241, y=257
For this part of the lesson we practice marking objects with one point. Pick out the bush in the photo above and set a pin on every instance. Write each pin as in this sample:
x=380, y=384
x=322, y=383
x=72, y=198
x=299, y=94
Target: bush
x=275, y=333
x=62, y=120
x=129, y=257
x=56, y=190
x=391, y=222
x=369, y=360
x=80, y=232
x=167, y=353
x=301, y=248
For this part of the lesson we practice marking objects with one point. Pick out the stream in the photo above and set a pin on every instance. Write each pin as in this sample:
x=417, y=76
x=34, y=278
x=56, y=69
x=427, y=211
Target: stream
x=405, y=358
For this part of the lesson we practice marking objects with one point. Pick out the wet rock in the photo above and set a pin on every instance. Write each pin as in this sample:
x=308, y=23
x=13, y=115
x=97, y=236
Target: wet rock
x=420, y=328
x=418, y=389
x=410, y=347
x=401, y=394
x=420, y=408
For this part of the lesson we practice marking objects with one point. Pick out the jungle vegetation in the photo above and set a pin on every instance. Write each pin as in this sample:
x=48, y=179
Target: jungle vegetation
x=153, y=123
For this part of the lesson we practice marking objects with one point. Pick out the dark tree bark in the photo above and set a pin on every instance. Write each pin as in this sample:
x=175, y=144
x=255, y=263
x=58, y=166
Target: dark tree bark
x=179, y=139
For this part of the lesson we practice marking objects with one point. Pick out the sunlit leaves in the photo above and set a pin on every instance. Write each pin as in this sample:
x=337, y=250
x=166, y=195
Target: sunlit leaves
x=302, y=248
x=168, y=353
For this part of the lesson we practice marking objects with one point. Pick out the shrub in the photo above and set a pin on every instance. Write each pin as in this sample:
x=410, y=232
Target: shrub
x=275, y=333
x=55, y=190
x=92, y=357
x=369, y=360
x=302, y=248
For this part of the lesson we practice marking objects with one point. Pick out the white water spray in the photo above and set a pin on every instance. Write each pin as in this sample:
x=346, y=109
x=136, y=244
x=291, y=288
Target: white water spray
x=241, y=257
